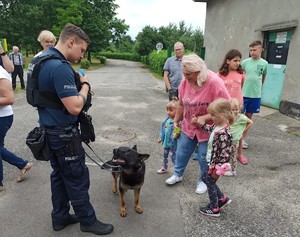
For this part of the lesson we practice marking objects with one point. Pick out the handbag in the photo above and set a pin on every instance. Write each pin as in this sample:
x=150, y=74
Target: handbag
x=36, y=140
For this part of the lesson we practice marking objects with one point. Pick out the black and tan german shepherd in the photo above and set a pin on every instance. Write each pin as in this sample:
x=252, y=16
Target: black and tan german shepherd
x=131, y=175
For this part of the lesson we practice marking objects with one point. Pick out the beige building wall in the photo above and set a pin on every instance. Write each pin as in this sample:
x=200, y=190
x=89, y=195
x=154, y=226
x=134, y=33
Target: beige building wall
x=235, y=23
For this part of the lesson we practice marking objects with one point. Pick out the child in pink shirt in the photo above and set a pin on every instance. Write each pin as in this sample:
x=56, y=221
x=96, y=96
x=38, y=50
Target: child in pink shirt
x=232, y=74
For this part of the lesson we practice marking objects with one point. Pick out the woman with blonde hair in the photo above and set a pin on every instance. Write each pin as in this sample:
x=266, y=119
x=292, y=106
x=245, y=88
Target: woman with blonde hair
x=198, y=88
x=46, y=39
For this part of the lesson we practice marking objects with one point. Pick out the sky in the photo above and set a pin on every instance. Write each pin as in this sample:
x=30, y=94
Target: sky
x=140, y=13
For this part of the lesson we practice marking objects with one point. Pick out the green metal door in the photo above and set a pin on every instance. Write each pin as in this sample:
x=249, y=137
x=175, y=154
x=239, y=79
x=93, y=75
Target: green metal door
x=277, y=52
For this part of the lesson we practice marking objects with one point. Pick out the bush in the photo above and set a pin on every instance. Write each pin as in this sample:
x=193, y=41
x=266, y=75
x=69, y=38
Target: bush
x=124, y=56
x=145, y=60
x=102, y=59
x=85, y=64
x=157, y=60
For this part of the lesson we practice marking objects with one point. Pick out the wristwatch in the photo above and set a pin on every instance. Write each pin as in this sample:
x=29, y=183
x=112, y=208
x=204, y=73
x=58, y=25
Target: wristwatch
x=2, y=54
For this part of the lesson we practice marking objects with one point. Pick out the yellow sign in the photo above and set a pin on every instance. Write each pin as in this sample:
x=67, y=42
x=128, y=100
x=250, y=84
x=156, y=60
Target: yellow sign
x=4, y=44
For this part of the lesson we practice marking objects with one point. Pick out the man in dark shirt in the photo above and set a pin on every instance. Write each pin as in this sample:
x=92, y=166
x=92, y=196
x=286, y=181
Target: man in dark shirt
x=70, y=176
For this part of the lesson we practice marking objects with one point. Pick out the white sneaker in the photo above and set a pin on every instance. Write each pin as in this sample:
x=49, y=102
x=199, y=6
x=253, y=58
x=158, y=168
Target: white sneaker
x=201, y=188
x=173, y=179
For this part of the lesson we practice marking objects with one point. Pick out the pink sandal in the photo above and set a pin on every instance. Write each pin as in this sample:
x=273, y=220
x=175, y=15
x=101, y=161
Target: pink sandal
x=243, y=159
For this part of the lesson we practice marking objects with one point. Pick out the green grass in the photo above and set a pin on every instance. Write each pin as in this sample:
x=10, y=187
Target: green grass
x=297, y=134
x=157, y=75
x=18, y=87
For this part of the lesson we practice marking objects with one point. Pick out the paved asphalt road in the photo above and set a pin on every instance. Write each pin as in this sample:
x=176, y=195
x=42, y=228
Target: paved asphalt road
x=128, y=107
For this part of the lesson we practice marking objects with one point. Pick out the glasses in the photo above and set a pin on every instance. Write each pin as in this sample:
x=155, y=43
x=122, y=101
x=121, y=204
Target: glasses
x=176, y=50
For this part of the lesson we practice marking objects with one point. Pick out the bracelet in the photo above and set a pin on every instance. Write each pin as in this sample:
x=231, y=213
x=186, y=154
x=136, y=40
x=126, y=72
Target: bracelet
x=3, y=53
x=85, y=82
x=83, y=98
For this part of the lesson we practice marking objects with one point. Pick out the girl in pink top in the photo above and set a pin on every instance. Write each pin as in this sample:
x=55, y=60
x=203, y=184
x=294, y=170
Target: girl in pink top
x=197, y=90
x=232, y=74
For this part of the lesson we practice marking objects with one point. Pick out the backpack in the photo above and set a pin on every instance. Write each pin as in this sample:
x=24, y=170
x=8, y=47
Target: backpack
x=34, y=96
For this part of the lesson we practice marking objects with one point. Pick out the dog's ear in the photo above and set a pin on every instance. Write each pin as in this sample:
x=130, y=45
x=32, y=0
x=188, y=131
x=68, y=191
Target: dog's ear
x=134, y=148
x=143, y=157
x=115, y=151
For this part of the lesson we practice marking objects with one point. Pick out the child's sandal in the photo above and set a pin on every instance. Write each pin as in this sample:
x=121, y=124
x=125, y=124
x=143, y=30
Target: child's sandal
x=243, y=159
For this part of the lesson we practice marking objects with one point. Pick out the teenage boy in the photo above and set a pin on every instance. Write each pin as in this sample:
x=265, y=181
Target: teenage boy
x=256, y=70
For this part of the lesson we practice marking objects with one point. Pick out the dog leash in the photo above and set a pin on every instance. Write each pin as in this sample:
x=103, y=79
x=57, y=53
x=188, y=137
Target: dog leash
x=102, y=164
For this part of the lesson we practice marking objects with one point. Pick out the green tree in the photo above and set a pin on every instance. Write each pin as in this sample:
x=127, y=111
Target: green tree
x=198, y=40
x=146, y=40
x=168, y=35
x=67, y=12
x=101, y=24
x=123, y=44
x=22, y=20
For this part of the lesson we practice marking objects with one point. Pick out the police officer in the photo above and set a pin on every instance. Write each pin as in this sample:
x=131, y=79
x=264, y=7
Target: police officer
x=70, y=176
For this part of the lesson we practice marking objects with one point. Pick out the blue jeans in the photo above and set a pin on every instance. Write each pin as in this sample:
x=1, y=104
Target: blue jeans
x=5, y=124
x=186, y=147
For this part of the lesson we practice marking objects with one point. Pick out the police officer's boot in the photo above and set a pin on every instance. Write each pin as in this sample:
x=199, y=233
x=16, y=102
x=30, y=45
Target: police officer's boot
x=98, y=228
x=72, y=220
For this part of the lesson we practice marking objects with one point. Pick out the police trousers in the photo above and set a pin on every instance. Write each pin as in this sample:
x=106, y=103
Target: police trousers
x=70, y=176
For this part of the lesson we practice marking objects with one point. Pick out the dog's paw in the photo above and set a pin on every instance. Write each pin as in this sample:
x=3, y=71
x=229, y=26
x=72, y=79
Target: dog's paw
x=139, y=209
x=114, y=188
x=123, y=212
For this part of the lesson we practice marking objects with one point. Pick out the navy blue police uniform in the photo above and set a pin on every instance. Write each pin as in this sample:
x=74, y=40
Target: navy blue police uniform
x=70, y=176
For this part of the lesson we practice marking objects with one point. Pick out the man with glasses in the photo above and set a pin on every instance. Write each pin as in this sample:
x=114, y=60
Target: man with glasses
x=173, y=71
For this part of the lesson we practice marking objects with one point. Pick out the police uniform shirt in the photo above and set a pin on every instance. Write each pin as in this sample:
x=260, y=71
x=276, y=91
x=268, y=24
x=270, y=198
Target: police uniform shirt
x=57, y=76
